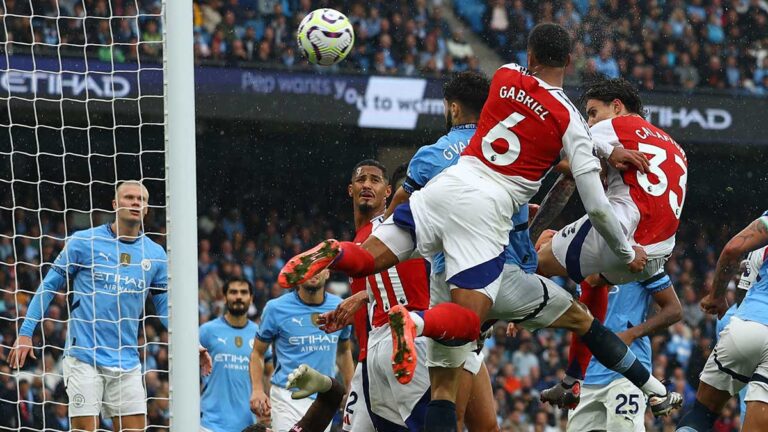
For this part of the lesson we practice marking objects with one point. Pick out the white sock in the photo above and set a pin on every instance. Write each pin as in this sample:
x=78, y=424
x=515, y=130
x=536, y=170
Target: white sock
x=419, y=322
x=654, y=386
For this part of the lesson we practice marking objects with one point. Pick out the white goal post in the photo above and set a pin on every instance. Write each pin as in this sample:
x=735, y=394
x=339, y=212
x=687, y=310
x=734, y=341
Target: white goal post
x=182, y=216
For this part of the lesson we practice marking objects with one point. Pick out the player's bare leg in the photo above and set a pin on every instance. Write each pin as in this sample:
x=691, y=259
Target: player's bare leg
x=475, y=408
x=549, y=265
x=757, y=417
x=709, y=403
x=84, y=423
x=129, y=423
x=609, y=350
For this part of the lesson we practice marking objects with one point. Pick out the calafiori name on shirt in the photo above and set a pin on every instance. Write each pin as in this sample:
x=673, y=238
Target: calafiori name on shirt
x=522, y=97
x=318, y=342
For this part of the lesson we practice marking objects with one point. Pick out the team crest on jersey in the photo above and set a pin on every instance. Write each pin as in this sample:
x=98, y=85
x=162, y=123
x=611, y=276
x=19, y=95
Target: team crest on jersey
x=238, y=341
x=315, y=317
x=125, y=259
x=146, y=264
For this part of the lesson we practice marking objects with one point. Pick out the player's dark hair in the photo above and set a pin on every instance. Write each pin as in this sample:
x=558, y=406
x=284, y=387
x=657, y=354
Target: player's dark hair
x=399, y=173
x=236, y=279
x=551, y=44
x=470, y=89
x=373, y=163
x=258, y=427
x=608, y=90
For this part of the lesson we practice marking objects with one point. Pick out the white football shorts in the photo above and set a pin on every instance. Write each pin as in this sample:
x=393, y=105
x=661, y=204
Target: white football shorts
x=95, y=389
x=467, y=215
x=355, y=415
x=529, y=300
x=286, y=412
x=740, y=359
x=618, y=406
x=582, y=251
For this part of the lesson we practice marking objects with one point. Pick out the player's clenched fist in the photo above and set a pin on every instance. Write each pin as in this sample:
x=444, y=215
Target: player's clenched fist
x=260, y=404
x=641, y=258
x=21, y=349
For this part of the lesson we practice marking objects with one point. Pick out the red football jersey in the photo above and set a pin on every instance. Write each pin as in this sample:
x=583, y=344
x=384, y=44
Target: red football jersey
x=525, y=127
x=651, y=203
x=407, y=284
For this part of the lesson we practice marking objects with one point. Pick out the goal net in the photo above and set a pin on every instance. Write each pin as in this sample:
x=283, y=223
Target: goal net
x=84, y=84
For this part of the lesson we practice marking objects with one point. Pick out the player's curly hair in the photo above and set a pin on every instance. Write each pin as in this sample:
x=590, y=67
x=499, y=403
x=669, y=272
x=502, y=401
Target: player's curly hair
x=398, y=176
x=607, y=90
x=470, y=89
x=551, y=44
x=373, y=163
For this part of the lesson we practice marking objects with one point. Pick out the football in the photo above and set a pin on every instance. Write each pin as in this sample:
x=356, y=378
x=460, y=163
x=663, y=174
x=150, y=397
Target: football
x=325, y=36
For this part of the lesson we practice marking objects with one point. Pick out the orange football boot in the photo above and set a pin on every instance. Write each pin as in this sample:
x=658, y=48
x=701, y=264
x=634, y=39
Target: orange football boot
x=306, y=265
x=403, y=345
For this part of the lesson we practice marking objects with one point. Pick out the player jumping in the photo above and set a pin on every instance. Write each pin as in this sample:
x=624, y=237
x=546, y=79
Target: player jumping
x=648, y=205
x=466, y=212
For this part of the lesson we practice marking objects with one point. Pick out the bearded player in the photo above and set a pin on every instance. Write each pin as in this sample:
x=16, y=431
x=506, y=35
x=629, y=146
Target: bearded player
x=466, y=213
x=648, y=205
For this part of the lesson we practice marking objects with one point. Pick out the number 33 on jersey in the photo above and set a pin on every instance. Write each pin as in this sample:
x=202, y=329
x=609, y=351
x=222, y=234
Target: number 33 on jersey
x=654, y=200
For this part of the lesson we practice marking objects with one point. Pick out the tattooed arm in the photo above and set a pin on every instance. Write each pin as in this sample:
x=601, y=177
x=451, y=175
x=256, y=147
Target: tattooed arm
x=752, y=237
x=553, y=204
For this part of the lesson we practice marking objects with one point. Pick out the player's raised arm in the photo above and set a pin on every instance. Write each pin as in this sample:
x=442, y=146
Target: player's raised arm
x=585, y=167
x=56, y=278
x=750, y=238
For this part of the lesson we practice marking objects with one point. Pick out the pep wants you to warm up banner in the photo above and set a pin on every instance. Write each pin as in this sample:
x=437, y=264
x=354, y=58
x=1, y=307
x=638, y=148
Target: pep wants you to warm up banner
x=313, y=98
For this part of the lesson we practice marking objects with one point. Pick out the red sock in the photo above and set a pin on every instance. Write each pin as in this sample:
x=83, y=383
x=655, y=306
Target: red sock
x=354, y=261
x=451, y=322
x=596, y=299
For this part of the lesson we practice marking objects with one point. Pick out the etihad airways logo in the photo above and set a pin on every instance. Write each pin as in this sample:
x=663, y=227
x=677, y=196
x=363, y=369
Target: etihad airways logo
x=707, y=118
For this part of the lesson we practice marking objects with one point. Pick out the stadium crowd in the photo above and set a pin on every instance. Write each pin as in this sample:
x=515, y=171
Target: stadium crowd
x=255, y=245
x=720, y=44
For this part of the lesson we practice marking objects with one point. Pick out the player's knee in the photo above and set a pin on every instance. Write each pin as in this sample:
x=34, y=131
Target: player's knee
x=579, y=317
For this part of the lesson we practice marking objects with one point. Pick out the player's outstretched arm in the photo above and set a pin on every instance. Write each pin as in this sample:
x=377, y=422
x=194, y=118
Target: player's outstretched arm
x=605, y=221
x=329, y=396
x=750, y=238
x=39, y=303
x=670, y=312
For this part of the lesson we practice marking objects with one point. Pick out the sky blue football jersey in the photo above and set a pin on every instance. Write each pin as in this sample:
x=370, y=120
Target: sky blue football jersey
x=627, y=307
x=225, y=400
x=291, y=325
x=755, y=304
x=110, y=280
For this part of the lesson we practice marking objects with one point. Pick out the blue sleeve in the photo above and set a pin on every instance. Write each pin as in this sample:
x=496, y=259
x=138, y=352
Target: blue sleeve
x=159, y=288
x=424, y=166
x=268, y=327
x=65, y=265
x=657, y=283
x=346, y=333
x=52, y=282
x=203, y=336
x=160, y=299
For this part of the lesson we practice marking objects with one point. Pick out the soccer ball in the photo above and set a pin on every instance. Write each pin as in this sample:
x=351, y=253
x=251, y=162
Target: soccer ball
x=325, y=37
